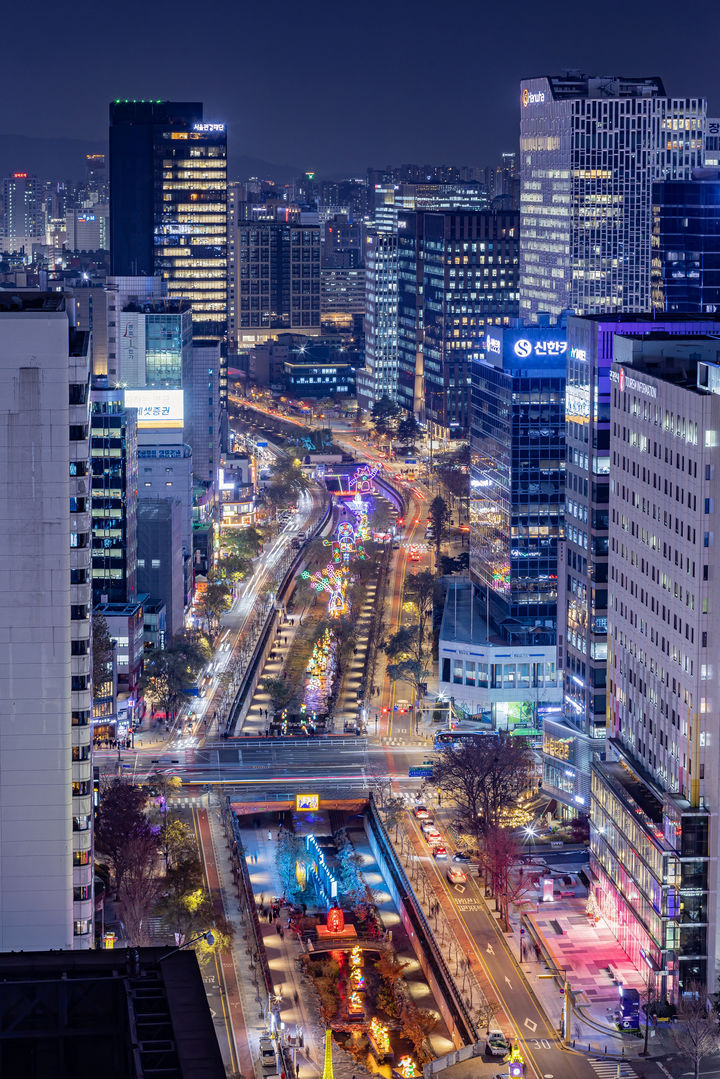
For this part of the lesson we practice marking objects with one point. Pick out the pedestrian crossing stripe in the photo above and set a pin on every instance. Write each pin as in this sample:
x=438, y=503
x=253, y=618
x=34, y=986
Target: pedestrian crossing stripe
x=608, y=1069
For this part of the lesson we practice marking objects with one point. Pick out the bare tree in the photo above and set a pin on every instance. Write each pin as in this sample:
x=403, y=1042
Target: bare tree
x=697, y=1034
x=483, y=774
x=121, y=818
x=499, y=857
x=140, y=888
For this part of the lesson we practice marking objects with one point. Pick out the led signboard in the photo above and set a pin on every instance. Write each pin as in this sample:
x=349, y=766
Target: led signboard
x=156, y=408
x=524, y=348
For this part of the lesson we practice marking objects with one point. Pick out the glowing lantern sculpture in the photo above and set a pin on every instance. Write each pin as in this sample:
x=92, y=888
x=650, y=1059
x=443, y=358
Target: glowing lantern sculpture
x=362, y=479
x=329, y=580
x=379, y=1037
x=336, y=920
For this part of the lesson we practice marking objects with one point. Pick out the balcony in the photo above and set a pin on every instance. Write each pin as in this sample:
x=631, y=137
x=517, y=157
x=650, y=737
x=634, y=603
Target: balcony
x=81, y=736
x=82, y=876
x=81, y=771
x=81, y=807
x=82, y=909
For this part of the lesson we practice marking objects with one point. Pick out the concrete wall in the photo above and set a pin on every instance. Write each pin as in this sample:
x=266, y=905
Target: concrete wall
x=36, y=880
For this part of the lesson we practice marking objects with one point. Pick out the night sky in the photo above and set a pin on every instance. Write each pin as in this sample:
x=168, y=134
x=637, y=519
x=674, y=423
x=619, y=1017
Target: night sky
x=333, y=86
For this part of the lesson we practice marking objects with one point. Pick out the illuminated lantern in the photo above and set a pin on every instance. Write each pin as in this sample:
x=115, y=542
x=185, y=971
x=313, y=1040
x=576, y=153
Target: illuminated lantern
x=336, y=920
x=301, y=875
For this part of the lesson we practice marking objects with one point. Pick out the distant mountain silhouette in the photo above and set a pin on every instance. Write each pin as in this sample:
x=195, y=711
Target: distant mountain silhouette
x=64, y=159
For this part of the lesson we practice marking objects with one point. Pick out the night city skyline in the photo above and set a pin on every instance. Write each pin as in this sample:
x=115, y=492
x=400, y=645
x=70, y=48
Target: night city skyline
x=334, y=96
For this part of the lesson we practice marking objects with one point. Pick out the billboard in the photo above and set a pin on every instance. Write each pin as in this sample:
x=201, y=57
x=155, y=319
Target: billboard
x=156, y=408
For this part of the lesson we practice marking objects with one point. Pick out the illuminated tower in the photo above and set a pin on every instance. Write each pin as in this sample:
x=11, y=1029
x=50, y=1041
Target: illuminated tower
x=590, y=149
x=168, y=207
x=327, y=1066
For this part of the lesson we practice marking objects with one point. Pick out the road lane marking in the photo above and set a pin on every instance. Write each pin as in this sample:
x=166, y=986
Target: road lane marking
x=500, y=998
x=530, y=1024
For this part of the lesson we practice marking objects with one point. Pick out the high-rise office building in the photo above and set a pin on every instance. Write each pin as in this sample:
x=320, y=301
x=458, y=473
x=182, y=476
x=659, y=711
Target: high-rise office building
x=583, y=563
x=154, y=344
x=517, y=477
x=380, y=375
x=160, y=556
x=712, y=143
x=113, y=453
x=457, y=277
x=122, y=291
x=590, y=150
x=46, y=839
x=277, y=279
x=23, y=212
x=654, y=812
x=498, y=634
x=168, y=206
x=686, y=244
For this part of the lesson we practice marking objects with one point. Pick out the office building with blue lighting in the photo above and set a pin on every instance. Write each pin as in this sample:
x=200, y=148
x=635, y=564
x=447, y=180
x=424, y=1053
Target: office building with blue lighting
x=686, y=244
x=498, y=638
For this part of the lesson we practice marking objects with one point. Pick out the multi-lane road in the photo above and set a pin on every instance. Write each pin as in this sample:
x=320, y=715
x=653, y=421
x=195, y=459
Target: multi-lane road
x=277, y=768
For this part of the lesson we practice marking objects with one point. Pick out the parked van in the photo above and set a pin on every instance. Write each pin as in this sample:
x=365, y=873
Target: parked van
x=268, y=1059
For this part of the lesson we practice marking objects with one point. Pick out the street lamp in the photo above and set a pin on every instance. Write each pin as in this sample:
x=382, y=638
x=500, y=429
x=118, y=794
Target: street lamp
x=207, y=937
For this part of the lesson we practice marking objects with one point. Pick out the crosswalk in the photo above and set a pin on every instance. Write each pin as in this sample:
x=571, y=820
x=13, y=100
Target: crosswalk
x=608, y=1069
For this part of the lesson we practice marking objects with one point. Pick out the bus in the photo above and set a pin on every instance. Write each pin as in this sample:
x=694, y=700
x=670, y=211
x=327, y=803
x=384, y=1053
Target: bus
x=449, y=738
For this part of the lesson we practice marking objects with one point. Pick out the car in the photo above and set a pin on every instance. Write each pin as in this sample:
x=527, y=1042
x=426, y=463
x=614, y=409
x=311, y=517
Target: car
x=497, y=1044
x=414, y=553
x=432, y=837
x=461, y=856
x=428, y=825
x=421, y=812
x=440, y=853
x=301, y=535
x=456, y=876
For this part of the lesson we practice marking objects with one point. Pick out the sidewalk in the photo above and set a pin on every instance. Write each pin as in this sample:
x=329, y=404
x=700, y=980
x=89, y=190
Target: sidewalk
x=237, y=1009
x=587, y=952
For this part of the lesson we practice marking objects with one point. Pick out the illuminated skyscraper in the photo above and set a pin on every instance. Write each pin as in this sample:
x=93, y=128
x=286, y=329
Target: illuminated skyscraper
x=457, y=277
x=24, y=217
x=686, y=243
x=590, y=149
x=168, y=206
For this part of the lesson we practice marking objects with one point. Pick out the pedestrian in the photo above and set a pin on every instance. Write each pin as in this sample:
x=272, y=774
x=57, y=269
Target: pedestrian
x=280, y=930
x=269, y=836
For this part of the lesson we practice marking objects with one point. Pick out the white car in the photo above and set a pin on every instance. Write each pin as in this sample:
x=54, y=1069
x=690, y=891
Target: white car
x=497, y=1044
x=428, y=826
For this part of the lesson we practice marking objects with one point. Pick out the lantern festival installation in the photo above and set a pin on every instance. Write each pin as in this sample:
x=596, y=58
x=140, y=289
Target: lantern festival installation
x=362, y=479
x=329, y=580
x=408, y=1068
x=335, y=920
x=320, y=672
x=379, y=1037
x=356, y=983
x=359, y=509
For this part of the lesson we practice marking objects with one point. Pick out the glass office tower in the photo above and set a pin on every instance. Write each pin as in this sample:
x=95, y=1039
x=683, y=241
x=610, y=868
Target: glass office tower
x=590, y=150
x=686, y=244
x=457, y=277
x=517, y=477
x=168, y=207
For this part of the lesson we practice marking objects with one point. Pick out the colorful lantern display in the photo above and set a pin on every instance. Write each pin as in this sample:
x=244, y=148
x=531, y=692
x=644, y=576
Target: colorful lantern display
x=335, y=920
